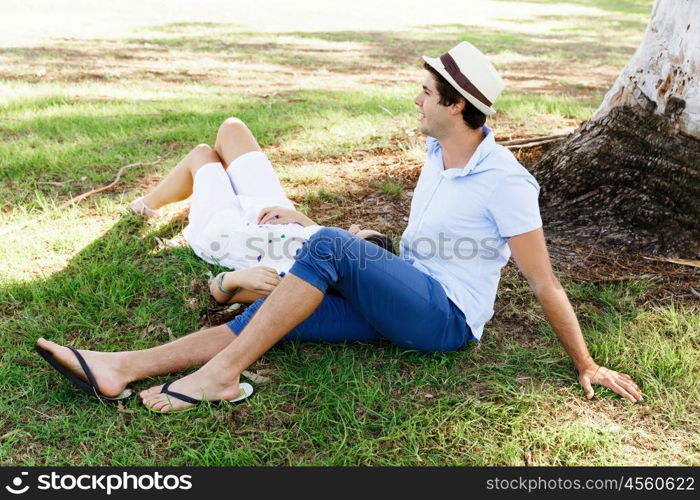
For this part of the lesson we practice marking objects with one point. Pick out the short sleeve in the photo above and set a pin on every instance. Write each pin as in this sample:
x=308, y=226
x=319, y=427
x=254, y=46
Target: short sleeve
x=513, y=205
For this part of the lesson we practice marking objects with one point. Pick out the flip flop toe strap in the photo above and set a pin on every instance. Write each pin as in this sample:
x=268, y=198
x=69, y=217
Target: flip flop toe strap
x=87, y=371
x=181, y=397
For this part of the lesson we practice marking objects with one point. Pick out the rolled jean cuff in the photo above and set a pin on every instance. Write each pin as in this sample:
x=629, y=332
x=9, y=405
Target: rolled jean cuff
x=305, y=272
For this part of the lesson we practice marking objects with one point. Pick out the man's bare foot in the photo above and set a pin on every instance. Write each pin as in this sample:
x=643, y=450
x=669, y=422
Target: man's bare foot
x=105, y=367
x=199, y=385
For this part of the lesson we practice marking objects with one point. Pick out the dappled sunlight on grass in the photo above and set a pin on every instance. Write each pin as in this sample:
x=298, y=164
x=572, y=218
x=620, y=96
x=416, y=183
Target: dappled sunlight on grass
x=45, y=248
x=305, y=174
x=565, y=39
x=35, y=21
x=543, y=114
x=84, y=142
x=333, y=108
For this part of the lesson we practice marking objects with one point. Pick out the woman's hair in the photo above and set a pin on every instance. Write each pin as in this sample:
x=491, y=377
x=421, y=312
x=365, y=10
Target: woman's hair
x=474, y=118
x=383, y=241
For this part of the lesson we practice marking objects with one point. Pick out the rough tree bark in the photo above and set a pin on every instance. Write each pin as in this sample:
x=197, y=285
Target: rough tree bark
x=630, y=176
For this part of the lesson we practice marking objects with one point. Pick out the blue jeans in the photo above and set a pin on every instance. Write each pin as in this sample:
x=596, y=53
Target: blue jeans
x=381, y=296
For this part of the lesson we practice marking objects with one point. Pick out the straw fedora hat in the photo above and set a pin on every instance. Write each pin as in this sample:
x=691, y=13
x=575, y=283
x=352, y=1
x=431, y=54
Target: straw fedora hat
x=468, y=71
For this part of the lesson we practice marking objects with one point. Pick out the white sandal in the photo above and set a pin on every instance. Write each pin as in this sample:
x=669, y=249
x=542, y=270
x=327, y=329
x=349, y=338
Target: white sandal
x=139, y=207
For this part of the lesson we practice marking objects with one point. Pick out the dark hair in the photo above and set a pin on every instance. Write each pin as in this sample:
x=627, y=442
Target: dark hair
x=382, y=241
x=474, y=118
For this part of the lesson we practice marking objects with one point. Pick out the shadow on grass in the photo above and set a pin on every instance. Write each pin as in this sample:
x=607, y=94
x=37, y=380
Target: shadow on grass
x=328, y=404
x=107, y=298
x=110, y=290
x=364, y=404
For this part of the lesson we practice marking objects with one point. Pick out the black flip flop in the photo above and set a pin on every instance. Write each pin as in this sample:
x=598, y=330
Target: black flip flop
x=88, y=388
x=246, y=390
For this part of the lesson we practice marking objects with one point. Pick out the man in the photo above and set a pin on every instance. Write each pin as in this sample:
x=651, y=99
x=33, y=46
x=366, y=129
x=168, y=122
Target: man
x=435, y=297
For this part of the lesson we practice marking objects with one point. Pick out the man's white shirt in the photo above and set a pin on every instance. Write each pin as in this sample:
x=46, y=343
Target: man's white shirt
x=460, y=219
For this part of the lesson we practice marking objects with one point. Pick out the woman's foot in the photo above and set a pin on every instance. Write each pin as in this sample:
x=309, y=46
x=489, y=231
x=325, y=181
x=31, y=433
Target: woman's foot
x=140, y=207
x=198, y=385
x=106, y=367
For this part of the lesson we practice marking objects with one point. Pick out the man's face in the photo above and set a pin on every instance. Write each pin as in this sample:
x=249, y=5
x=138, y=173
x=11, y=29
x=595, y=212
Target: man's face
x=432, y=115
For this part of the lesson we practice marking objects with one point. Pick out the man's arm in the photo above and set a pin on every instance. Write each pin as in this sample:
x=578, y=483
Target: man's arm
x=529, y=252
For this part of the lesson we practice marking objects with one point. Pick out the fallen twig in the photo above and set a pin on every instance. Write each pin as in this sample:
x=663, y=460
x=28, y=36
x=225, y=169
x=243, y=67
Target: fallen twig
x=532, y=144
x=622, y=278
x=25, y=363
x=384, y=109
x=77, y=199
x=682, y=262
x=533, y=140
x=41, y=413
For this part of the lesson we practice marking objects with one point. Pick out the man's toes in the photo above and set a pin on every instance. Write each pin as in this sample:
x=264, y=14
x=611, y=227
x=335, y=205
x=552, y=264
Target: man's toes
x=166, y=405
x=150, y=391
x=157, y=402
x=163, y=404
x=151, y=400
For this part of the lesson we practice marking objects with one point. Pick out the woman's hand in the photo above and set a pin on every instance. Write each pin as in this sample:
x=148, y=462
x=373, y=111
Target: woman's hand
x=281, y=215
x=621, y=383
x=261, y=280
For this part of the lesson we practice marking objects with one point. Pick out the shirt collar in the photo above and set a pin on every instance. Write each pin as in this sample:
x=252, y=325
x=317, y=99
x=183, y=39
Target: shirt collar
x=487, y=145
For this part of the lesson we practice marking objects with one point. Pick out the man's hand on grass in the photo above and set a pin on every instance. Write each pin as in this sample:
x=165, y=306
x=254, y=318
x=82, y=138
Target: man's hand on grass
x=621, y=383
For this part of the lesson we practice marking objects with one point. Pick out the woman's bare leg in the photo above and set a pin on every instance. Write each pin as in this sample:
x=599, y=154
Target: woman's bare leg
x=234, y=139
x=177, y=185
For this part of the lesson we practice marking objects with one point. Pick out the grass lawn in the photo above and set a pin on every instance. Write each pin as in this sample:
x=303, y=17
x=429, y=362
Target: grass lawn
x=334, y=111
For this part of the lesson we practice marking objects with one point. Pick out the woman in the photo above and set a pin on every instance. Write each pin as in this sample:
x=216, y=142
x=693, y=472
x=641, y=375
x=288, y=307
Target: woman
x=240, y=217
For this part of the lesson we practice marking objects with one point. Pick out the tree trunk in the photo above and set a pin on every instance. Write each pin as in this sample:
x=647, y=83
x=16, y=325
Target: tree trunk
x=630, y=176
